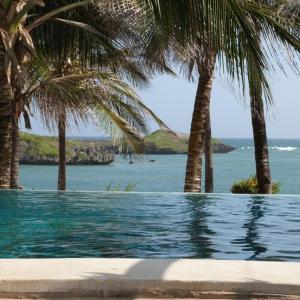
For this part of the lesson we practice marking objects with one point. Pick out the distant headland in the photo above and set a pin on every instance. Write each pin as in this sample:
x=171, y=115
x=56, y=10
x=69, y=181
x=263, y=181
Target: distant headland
x=43, y=150
x=164, y=142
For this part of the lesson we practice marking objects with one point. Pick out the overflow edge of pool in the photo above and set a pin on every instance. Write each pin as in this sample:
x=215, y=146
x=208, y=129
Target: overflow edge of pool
x=149, y=278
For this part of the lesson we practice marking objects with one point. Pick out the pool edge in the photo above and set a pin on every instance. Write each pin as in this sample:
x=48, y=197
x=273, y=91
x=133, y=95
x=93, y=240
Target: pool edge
x=154, y=278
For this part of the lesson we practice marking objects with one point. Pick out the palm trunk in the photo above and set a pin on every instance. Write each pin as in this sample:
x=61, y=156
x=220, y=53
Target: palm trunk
x=209, y=171
x=15, y=162
x=62, y=152
x=5, y=122
x=263, y=172
x=198, y=126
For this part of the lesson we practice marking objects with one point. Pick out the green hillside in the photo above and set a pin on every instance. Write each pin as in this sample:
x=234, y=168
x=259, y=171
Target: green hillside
x=164, y=142
x=167, y=141
x=37, y=147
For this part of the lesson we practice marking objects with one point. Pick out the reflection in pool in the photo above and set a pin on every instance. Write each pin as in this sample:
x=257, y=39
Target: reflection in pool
x=149, y=225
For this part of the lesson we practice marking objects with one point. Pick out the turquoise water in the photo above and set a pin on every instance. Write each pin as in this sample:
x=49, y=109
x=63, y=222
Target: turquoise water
x=167, y=173
x=148, y=225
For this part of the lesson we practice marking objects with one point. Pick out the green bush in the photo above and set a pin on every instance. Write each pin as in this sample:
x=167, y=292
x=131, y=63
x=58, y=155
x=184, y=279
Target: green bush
x=250, y=186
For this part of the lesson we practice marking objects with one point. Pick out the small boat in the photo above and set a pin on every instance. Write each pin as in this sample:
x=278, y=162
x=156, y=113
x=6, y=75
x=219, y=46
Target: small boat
x=152, y=160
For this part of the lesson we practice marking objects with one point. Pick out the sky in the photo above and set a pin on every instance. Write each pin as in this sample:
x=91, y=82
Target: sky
x=172, y=98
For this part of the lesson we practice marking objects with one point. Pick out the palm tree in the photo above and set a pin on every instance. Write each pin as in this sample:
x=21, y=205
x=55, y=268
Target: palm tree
x=200, y=121
x=263, y=172
x=97, y=97
x=17, y=47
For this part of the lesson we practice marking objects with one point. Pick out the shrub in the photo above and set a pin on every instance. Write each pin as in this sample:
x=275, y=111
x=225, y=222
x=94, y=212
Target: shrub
x=130, y=187
x=250, y=186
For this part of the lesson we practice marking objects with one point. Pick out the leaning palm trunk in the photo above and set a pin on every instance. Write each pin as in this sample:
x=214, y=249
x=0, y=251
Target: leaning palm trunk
x=15, y=162
x=209, y=171
x=263, y=172
x=5, y=122
x=62, y=152
x=198, y=126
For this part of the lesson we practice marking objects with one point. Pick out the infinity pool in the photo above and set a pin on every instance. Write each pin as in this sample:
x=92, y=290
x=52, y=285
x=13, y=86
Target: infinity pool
x=145, y=225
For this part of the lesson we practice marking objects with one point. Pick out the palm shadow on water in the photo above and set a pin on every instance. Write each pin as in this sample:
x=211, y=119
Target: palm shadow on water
x=256, y=211
x=200, y=233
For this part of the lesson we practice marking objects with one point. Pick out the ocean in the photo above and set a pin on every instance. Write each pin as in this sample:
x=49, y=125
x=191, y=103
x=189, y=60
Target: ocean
x=166, y=173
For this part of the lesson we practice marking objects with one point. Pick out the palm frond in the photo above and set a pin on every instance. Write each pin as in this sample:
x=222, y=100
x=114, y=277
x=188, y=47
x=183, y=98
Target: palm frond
x=89, y=96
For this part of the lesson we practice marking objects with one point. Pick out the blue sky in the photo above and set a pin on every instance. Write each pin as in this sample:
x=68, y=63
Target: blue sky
x=172, y=98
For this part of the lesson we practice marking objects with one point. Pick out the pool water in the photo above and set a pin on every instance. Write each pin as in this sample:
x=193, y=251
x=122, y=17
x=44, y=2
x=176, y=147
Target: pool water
x=148, y=225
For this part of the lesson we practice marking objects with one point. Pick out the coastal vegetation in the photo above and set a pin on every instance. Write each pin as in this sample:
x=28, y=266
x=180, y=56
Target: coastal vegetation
x=250, y=186
x=95, y=52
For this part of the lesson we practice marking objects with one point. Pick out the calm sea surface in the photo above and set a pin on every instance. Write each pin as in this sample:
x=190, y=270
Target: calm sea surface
x=149, y=225
x=166, y=174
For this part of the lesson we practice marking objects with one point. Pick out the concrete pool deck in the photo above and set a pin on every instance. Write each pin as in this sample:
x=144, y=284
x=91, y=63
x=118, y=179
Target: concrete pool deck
x=146, y=278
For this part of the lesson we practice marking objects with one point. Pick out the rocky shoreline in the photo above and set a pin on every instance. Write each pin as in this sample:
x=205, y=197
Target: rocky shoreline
x=36, y=150
x=83, y=156
x=217, y=148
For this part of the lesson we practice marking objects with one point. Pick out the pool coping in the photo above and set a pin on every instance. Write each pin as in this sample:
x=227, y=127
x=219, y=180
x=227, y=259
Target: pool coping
x=154, y=278
x=278, y=195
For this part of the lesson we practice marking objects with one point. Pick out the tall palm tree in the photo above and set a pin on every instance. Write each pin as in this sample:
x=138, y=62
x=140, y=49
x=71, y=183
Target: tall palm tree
x=9, y=39
x=17, y=47
x=263, y=172
x=200, y=119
